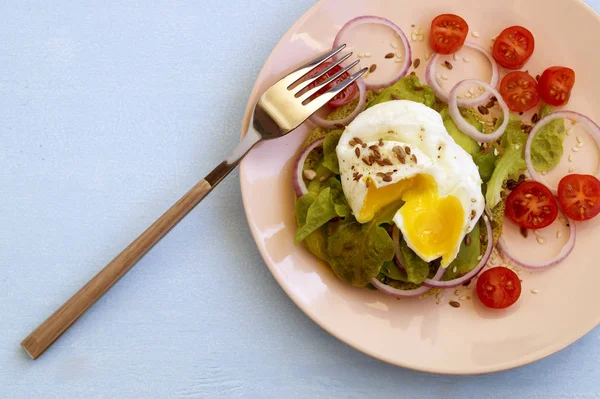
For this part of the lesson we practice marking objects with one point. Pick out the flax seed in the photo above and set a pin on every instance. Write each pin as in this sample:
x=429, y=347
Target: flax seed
x=389, y=55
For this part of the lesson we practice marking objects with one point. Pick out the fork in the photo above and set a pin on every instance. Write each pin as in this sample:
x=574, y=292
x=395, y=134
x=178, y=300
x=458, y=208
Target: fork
x=280, y=110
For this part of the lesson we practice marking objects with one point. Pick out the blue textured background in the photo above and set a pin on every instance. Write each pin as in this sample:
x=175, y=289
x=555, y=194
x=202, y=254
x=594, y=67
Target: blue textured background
x=108, y=113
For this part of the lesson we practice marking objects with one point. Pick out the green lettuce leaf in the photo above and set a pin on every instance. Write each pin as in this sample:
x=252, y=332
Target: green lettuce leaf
x=316, y=242
x=319, y=212
x=330, y=159
x=510, y=165
x=544, y=110
x=407, y=88
x=337, y=196
x=357, y=252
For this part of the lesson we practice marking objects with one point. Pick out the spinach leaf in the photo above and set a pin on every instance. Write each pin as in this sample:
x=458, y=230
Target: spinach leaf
x=357, y=252
x=417, y=269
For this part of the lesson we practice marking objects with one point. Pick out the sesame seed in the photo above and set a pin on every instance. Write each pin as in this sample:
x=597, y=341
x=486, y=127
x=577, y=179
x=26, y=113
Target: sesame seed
x=558, y=234
x=471, y=91
x=569, y=132
x=575, y=149
x=579, y=145
x=394, y=45
x=579, y=140
x=444, y=76
x=475, y=34
x=517, y=146
x=462, y=298
x=455, y=56
x=540, y=240
x=398, y=60
x=468, y=95
x=496, y=151
x=473, y=200
x=544, y=173
x=367, y=54
x=454, y=271
x=466, y=59
x=570, y=157
x=534, y=291
x=480, y=257
x=399, y=55
x=427, y=56
x=421, y=37
x=360, y=55
x=413, y=37
x=571, y=169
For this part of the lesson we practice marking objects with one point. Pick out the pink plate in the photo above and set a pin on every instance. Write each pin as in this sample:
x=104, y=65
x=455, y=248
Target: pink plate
x=424, y=334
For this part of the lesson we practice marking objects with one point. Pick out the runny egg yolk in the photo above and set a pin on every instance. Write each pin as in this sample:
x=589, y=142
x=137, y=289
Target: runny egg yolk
x=431, y=225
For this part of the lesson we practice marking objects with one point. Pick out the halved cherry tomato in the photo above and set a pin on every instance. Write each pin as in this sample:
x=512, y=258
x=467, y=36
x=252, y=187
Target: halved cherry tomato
x=498, y=287
x=519, y=90
x=531, y=205
x=579, y=196
x=555, y=85
x=513, y=47
x=448, y=33
x=345, y=96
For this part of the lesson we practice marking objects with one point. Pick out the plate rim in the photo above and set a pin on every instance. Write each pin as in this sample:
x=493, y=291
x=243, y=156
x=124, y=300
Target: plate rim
x=508, y=365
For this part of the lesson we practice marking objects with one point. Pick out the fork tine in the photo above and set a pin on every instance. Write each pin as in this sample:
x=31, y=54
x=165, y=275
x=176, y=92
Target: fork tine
x=332, y=78
x=308, y=82
x=323, y=99
x=295, y=76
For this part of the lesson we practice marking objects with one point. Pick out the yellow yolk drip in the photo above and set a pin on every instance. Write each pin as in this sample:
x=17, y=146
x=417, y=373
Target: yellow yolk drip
x=431, y=224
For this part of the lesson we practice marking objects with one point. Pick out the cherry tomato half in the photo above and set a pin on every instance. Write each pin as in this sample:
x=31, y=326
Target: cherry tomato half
x=531, y=205
x=513, y=47
x=579, y=196
x=345, y=96
x=555, y=85
x=448, y=33
x=519, y=90
x=498, y=287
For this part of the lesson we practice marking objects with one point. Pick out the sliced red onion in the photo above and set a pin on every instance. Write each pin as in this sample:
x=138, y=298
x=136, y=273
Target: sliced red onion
x=467, y=277
x=299, y=186
x=339, y=123
x=591, y=126
x=545, y=264
x=465, y=126
x=398, y=293
x=398, y=258
x=341, y=38
x=462, y=102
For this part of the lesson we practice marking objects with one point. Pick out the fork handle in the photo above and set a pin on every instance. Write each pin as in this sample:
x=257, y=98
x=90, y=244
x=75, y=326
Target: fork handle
x=47, y=332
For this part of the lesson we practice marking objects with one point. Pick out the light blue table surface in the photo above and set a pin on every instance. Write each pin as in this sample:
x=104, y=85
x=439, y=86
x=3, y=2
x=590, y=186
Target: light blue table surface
x=108, y=113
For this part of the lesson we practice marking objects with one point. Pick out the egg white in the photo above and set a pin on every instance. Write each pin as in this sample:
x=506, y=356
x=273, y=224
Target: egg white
x=421, y=129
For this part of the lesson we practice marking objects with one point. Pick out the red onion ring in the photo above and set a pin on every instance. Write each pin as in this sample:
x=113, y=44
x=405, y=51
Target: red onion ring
x=398, y=293
x=299, y=186
x=336, y=123
x=542, y=265
x=591, y=126
x=465, y=126
x=398, y=258
x=467, y=277
x=462, y=102
x=368, y=19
